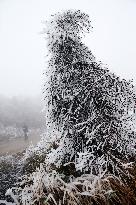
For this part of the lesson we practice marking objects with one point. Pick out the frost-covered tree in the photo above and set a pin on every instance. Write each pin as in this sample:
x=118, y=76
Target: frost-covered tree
x=91, y=108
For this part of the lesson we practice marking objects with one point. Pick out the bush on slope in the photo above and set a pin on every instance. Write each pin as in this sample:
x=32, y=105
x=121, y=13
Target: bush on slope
x=91, y=108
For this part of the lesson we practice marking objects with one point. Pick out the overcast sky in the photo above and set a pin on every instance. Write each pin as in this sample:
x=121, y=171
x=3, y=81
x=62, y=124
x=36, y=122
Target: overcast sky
x=23, y=48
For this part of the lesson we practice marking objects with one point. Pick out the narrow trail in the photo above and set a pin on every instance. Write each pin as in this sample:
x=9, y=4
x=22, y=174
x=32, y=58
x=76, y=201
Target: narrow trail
x=15, y=145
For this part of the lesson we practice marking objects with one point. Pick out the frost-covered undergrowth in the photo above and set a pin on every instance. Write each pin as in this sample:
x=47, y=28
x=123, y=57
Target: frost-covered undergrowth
x=87, y=155
x=10, y=171
x=47, y=185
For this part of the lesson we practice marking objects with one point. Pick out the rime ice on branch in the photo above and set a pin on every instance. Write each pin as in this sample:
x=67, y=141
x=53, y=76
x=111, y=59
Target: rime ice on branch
x=91, y=108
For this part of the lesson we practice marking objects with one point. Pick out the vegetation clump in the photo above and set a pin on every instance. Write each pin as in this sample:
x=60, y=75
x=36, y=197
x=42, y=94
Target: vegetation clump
x=9, y=173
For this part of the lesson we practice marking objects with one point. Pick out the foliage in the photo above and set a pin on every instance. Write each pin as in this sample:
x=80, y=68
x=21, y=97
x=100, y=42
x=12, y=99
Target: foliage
x=9, y=173
x=91, y=108
x=32, y=162
x=50, y=188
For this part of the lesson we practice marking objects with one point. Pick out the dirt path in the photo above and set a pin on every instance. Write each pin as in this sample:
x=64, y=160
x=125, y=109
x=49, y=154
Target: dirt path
x=16, y=145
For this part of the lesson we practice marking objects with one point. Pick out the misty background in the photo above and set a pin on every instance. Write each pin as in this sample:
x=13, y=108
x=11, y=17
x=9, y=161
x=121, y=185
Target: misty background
x=23, y=52
x=23, y=47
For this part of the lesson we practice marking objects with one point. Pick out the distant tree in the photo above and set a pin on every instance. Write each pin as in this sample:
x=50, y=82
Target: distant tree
x=92, y=108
